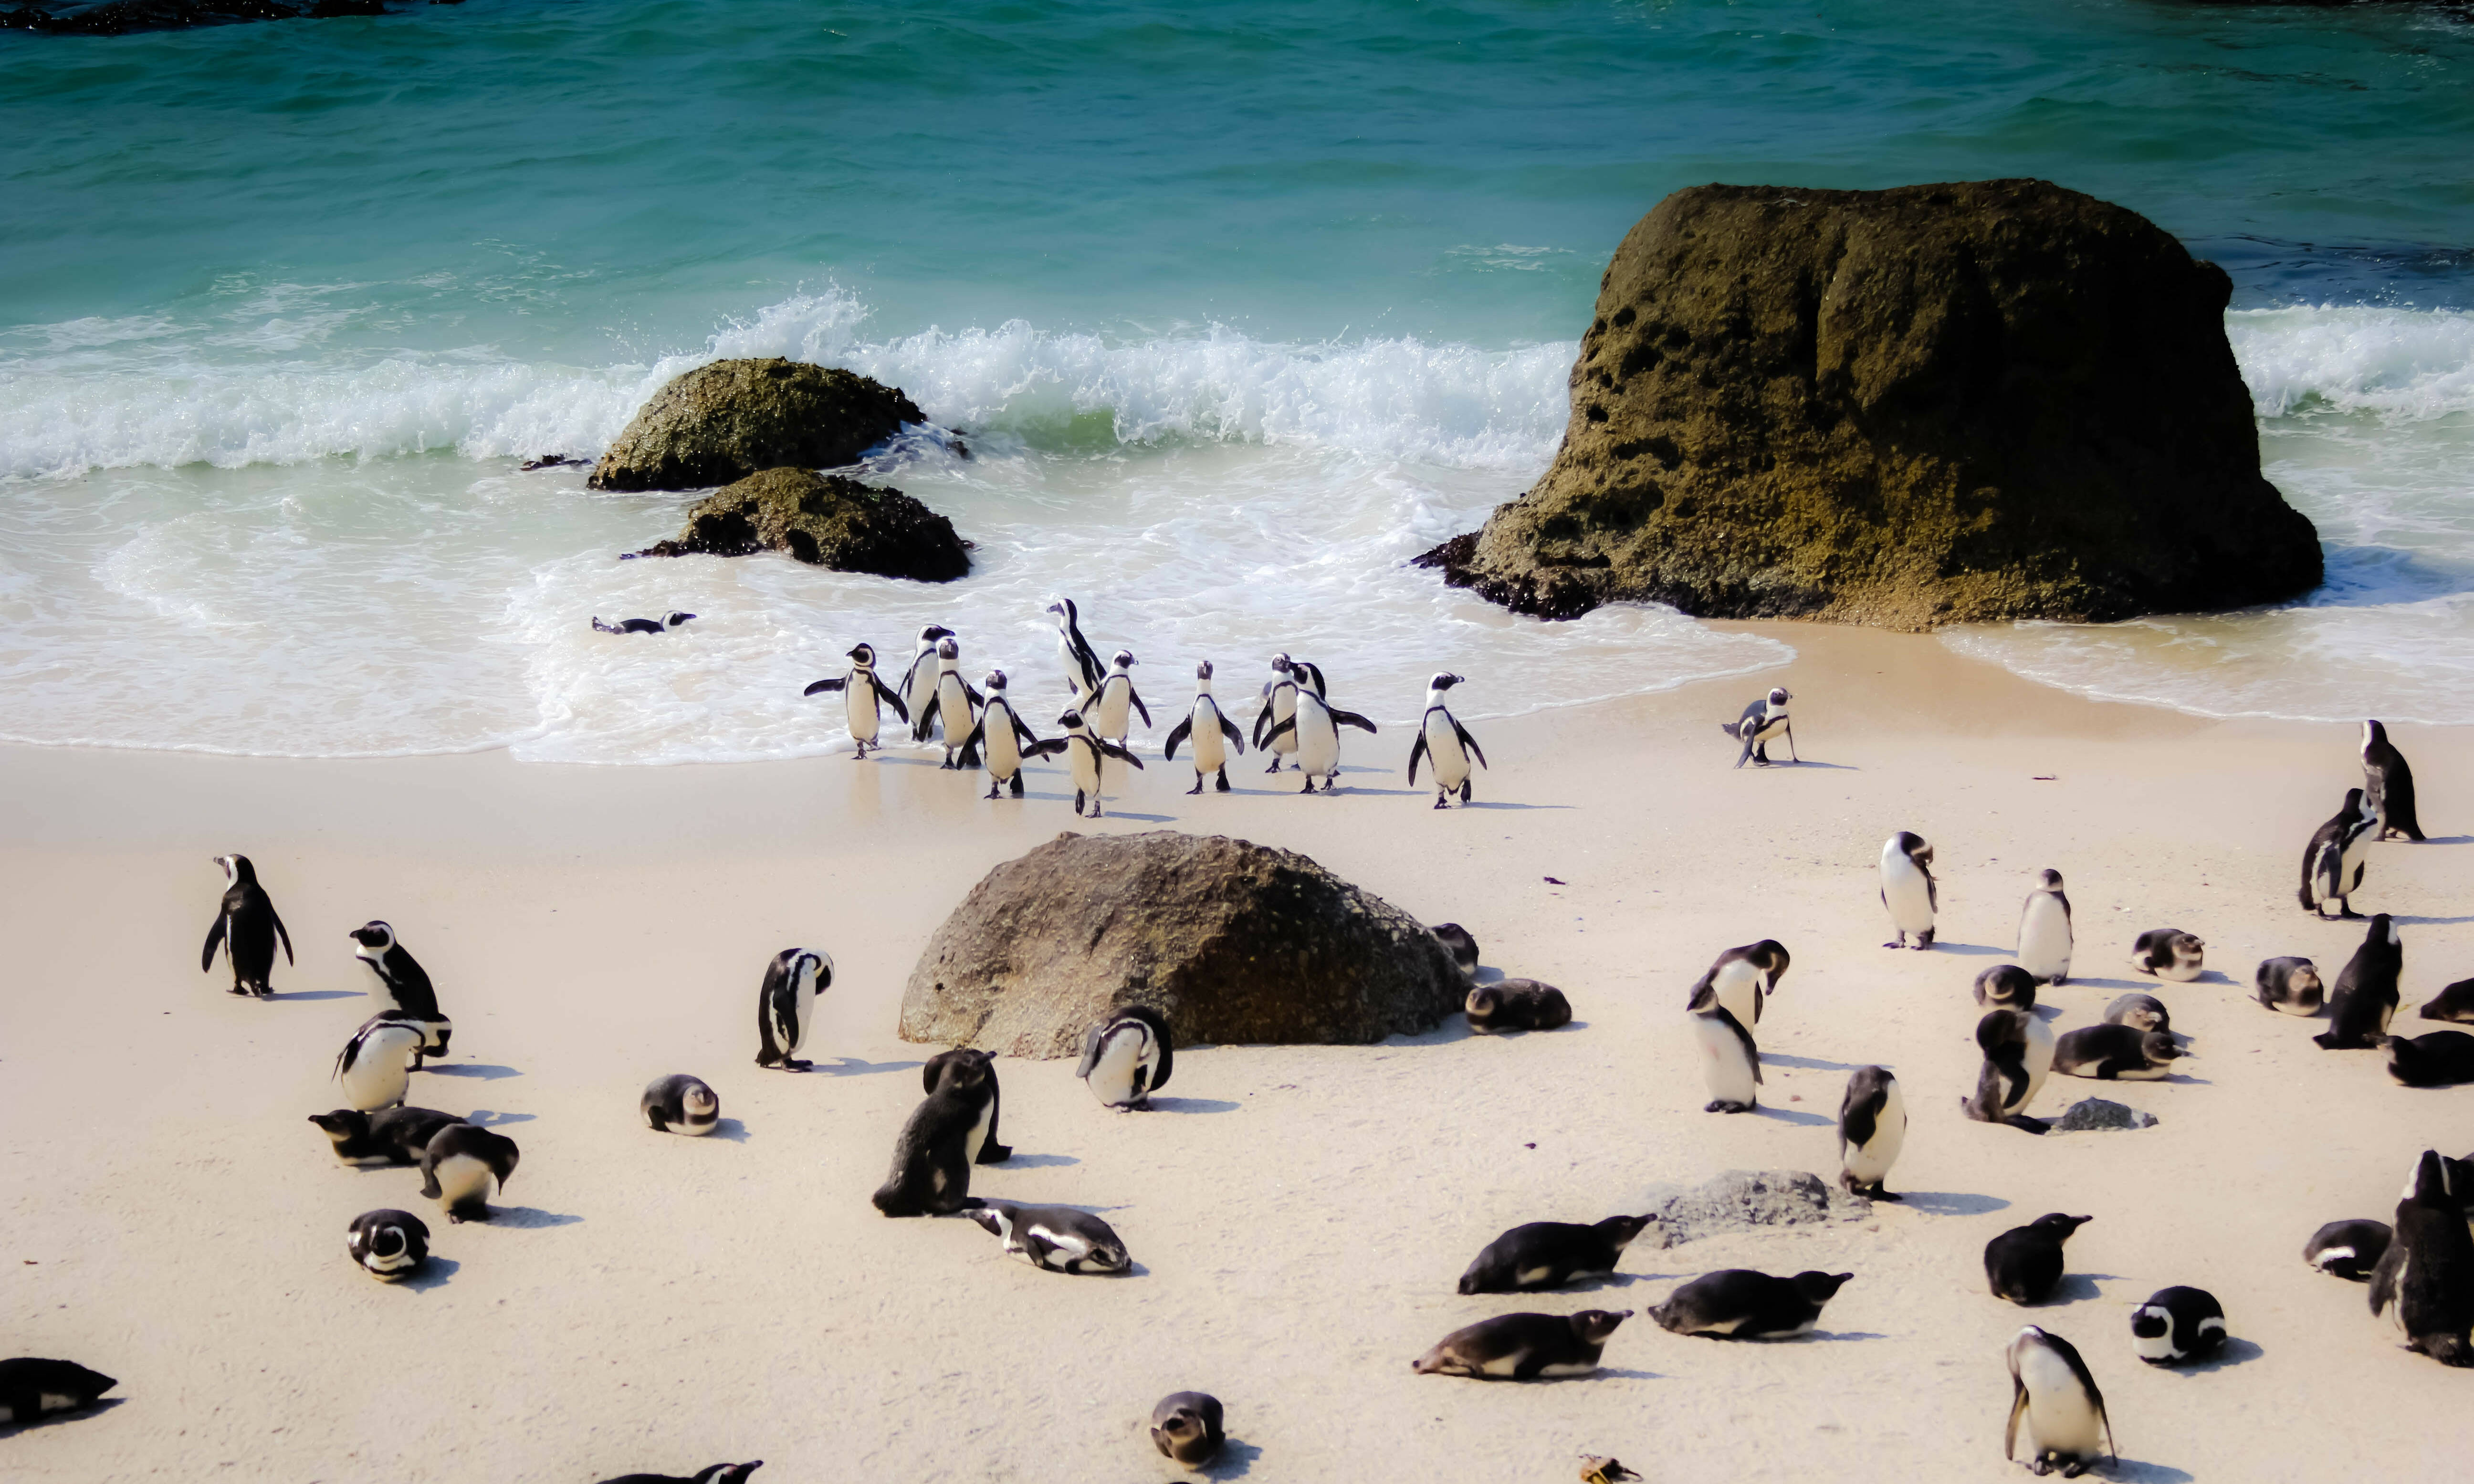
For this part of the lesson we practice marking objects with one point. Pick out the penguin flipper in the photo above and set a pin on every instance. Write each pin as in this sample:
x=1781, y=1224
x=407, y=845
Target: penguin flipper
x=1136, y=697
x=281, y=934
x=215, y=940
x=900, y=707
x=1752, y=1052
x=1090, y=1054
x=2018, y=1409
x=1416, y=750
x=1278, y=729
x=1022, y=734
x=1228, y=729
x=820, y=686
x=1933, y=889
x=974, y=697
x=1263, y=717
x=1752, y=738
x=1470, y=742
x=1176, y=734
x=1857, y=1120
x=1350, y=719
x=1110, y=749
x=1054, y=746
x=970, y=743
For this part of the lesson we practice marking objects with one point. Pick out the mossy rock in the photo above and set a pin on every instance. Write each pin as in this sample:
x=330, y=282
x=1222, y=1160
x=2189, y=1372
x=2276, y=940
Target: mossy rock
x=728, y=419
x=825, y=520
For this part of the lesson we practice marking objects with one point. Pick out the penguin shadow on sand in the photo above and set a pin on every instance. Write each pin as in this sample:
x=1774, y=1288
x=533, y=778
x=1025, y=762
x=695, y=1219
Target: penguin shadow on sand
x=730, y=1128
x=2404, y=921
x=1981, y=951
x=1021, y=1161
x=1234, y=1461
x=860, y=1066
x=1805, y=1063
x=1792, y=1115
x=1164, y=1104
x=528, y=1218
x=1951, y=1202
x=94, y=1408
x=2075, y=1288
x=314, y=994
x=433, y=1274
x=485, y=1070
x=2130, y=1470
x=491, y=1118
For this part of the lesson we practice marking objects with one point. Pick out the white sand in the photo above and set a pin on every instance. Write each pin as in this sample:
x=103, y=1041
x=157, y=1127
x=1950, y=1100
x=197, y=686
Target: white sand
x=1299, y=1215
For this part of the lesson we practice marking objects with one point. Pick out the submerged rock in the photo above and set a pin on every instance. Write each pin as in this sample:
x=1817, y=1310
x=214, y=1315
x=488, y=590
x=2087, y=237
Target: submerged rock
x=2101, y=1114
x=1933, y=404
x=1231, y=940
x=728, y=418
x=825, y=520
x=1744, y=1200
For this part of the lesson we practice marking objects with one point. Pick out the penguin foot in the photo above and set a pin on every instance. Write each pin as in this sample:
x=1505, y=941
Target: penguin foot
x=1876, y=1192
x=1224, y=780
x=1017, y=786
x=1442, y=801
x=2026, y=1125
x=239, y=989
x=992, y=792
x=1275, y=768
x=1198, y=785
x=1721, y=1105
x=1896, y=942
x=2350, y=914
x=789, y=1065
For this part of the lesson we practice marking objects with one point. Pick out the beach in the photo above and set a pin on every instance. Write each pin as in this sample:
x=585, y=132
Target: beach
x=1298, y=1215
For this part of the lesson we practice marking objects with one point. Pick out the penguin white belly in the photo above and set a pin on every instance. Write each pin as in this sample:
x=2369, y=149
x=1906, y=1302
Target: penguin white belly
x=2181, y=973
x=2045, y=939
x=1451, y=760
x=1741, y=988
x=2154, y=1073
x=1116, y=696
x=378, y=1079
x=1723, y=1063
x=1284, y=706
x=1318, y=745
x=1112, y=1078
x=1869, y=1164
x=860, y=709
x=1087, y=767
x=803, y=1010
x=381, y=987
x=463, y=1180
x=2059, y=1419
x=923, y=689
x=1210, y=748
x=2349, y=871
x=954, y=709
x=978, y=1135
x=1569, y=1368
x=1070, y=663
x=2037, y=1057
x=1004, y=750
x=1503, y=1364
x=1907, y=896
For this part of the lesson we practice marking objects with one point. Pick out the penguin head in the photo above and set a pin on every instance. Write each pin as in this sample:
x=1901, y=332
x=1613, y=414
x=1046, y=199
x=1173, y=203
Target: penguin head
x=2373, y=734
x=1182, y=1426
x=864, y=656
x=947, y=649
x=674, y=619
x=1621, y=1229
x=1592, y=1327
x=1203, y=671
x=1769, y=955
x=934, y=632
x=994, y=681
x=1124, y=659
x=343, y=1124
x=817, y=962
x=1481, y=1002
x=994, y=1217
x=1821, y=1287
x=1444, y=680
x=2358, y=806
x=1063, y=608
x=1280, y=663
x=2049, y=879
x=386, y=1241
x=2159, y=1046
x=2383, y=930
x=2429, y=1183
x=1912, y=845
x=2058, y=1226
x=1778, y=695
x=729, y=1473
x=964, y=1073
x=236, y=869
x=373, y=937
x=1071, y=721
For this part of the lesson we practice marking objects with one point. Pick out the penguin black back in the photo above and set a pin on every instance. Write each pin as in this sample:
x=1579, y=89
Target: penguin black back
x=931, y=1172
x=929, y=1075
x=1550, y=1253
x=2388, y=784
x=31, y=1387
x=711, y=1474
x=2347, y=1248
x=2024, y=1263
x=2424, y=1282
x=2367, y=991
x=247, y=929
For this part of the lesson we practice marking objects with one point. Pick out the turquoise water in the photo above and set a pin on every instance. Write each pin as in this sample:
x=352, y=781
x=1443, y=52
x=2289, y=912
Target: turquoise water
x=1242, y=304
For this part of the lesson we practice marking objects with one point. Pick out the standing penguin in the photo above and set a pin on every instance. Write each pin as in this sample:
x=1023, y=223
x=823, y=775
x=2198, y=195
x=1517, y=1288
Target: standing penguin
x=1316, y=725
x=1127, y=1057
x=1761, y=720
x=1730, y=1062
x=999, y=740
x=2289, y=985
x=1209, y=729
x=1084, y=751
x=981, y=1146
x=2044, y=931
x=1908, y=892
x=1744, y=979
x=2052, y=1392
x=865, y=695
x=374, y=1064
x=404, y=984
x=1118, y=700
x=2388, y=784
x=1442, y=738
x=2018, y=1049
x=932, y=1157
x=2366, y=998
x=785, y=1006
x=246, y=928
x=952, y=701
x=1082, y=670
x=1871, y=1128
x=2331, y=864
x=919, y=681
x=2424, y=1282
x=1280, y=704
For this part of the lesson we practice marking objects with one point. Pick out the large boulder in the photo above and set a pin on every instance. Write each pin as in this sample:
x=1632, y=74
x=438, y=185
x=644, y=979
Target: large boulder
x=1933, y=404
x=825, y=520
x=729, y=419
x=1232, y=942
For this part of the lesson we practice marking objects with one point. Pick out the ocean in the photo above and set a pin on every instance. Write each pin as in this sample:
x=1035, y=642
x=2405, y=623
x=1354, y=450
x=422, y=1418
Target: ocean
x=1239, y=308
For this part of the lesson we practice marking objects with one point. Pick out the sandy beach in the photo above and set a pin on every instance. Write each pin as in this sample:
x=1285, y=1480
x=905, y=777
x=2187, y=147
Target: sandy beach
x=1297, y=1216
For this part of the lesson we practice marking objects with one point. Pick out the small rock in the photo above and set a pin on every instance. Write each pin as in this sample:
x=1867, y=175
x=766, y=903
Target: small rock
x=729, y=419
x=1744, y=1200
x=2098, y=1114
x=824, y=521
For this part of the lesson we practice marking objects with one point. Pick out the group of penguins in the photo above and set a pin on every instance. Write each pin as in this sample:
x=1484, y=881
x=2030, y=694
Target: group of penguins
x=980, y=728
x=2421, y=1268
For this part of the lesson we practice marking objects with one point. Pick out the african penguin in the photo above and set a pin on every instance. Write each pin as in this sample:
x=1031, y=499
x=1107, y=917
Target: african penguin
x=1212, y=732
x=2051, y=1391
x=2006, y=987
x=1872, y=1130
x=389, y=1136
x=2044, y=931
x=999, y=740
x=2455, y=1003
x=1598, y=1469
x=1083, y=671
x=680, y=1103
x=1280, y=704
x=2441, y=1058
x=864, y=697
x=1523, y=1347
x=1745, y=978
x=2024, y=1263
x=404, y=984
x=785, y=1006
x=461, y=1163
x=1445, y=742
x=2388, y=784
x=2168, y=954
x=2140, y=1012
x=2331, y=864
x=1516, y=1005
x=2347, y=1248
x=918, y=686
x=2424, y=1282
x=661, y=626
x=2115, y=1052
x=1739, y=1304
x=1761, y=720
x=1551, y=1254
x=31, y=1389
x=390, y=1245
x=1055, y=1237
x=2018, y=1049
x=2289, y=985
x=1084, y=751
x=2365, y=996
x=979, y=1146
x=246, y=928
x=1112, y=718
x=711, y=1474
x=1127, y=1057
x=951, y=701
x=1908, y=893
x=2177, y=1325
x=1316, y=724
x=1186, y=1426
x=932, y=1157
x=374, y=1065
x=1464, y=946
x=1730, y=1062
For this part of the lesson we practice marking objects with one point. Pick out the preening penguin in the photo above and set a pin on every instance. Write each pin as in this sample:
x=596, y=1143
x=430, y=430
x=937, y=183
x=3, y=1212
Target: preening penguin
x=2333, y=863
x=952, y=701
x=1523, y=1347
x=865, y=695
x=1127, y=1057
x=2115, y=1052
x=32, y=1388
x=2140, y=1012
x=1761, y=720
x=1741, y=1304
x=2347, y=1248
x=1056, y=1237
x=2051, y=1391
x=2006, y=987
x=1113, y=715
x=786, y=1005
x=2044, y=931
x=1551, y=1254
x=2018, y=1049
x=1280, y=704
x=1084, y=751
x=1744, y=979
x=1083, y=671
x=1316, y=724
x=404, y=984
x=1872, y=1130
x=932, y=1158
x=1464, y=946
x=980, y=1146
x=999, y=740
x=461, y=1163
x=2289, y=985
x=390, y=1245
x=246, y=928
x=711, y=1473
x=1908, y=892
x=1730, y=1062
x=919, y=681
x=2366, y=998
x=374, y=1065
x=1443, y=739
x=2176, y=1325
x=2169, y=954
x=2424, y=1281
x=1208, y=729
x=661, y=626
x=1186, y=1426
x=680, y=1103
x=2024, y=1263
x=2388, y=784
